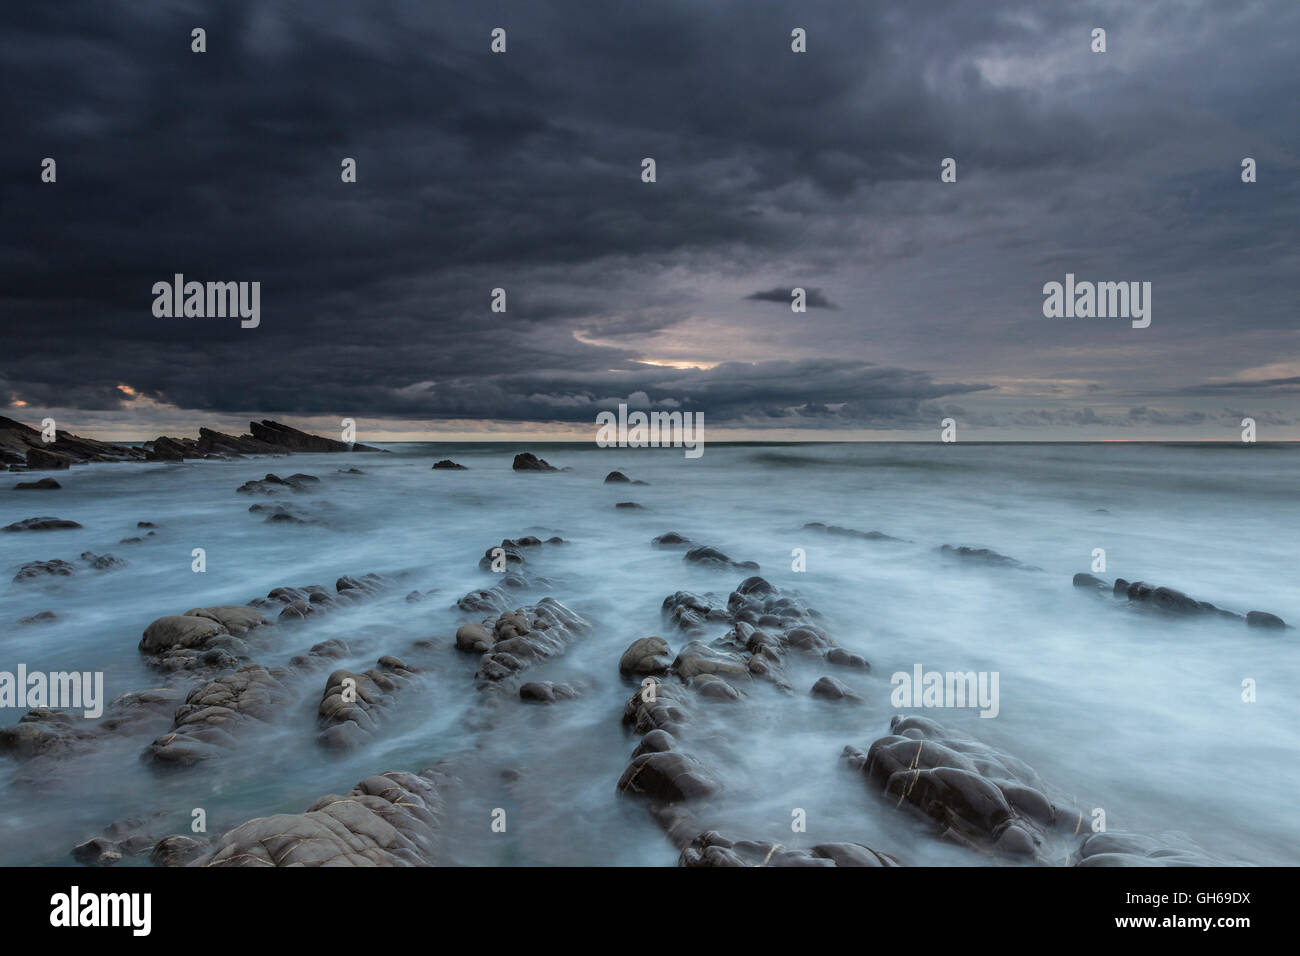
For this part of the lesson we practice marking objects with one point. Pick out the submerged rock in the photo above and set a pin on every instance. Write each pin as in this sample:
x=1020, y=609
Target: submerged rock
x=713, y=558
x=448, y=465
x=839, y=531
x=41, y=524
x=44, y=484
x=546, y=692
x=670, y=539
x=1173, y=602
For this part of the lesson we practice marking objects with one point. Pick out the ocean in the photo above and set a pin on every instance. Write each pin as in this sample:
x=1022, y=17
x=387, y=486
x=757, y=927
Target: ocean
x=1123, y=709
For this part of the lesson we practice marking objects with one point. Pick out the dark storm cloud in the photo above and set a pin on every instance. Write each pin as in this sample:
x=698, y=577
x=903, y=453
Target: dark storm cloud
x=814, y=298
x=522, y=172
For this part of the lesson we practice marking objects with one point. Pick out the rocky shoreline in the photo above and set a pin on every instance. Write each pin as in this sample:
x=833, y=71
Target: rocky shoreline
x=22, y=447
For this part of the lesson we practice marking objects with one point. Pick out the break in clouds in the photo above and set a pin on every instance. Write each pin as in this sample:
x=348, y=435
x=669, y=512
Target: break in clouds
x=522, y=172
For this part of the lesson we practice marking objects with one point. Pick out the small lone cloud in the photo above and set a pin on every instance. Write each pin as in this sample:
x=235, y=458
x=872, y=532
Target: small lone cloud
x=814, y=297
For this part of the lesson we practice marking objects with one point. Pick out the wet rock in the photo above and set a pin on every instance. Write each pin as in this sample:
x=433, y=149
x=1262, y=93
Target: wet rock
x=35, y=571
x=984, y=556
x=97, y=852
x=629, y=506
x=448, y=465
x=101, y=562
x=618, y=478
x=828, y=688
x=712, y=849
x=388, y=820
x=49, y=741
x=166, y=449
x=646, y=655
x=977, y=795
x=216, y=714
x=352, y=471
x=698, y=658
x=176, y=850
x=713, y=558
x=44, y=484
x=842, y=658
x=527, y=461
x=42, y=459
x=354, y=706
x=841, y=532
x=41, y=524
x=714, y=688
x=1175, y=603
x=527, y=635
x=237, y=619
x=1265, y=620
x=274, y=484
x=1085, y=580
x=179, y=630
x=670, y=540
x=1113, y=848
x=546, y=692
x=474, y=638
x=668, y=777
x=43, y=617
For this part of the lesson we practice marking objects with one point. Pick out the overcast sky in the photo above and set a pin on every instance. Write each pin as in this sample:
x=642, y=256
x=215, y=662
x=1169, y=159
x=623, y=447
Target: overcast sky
x=775, y=169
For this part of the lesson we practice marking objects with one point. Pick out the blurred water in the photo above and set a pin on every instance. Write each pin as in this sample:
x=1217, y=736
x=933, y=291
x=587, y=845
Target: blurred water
x=1131, y=712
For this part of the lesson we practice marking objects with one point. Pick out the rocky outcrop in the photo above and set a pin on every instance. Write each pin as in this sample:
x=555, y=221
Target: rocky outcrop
x=841, y=532
x=40, y=524
x=670, y=539
x=766, y=624
x=977, y=796
x=448, y=465
x=44, y=484
x=984, y=556
x=215, y=714
x=987, y=800
x=130, y=836
x=646, y=656
x=713, y=849
x=38, y=572
x=291, y=439
x=511, y=552
x=527, y=461
x=713, y=558
x=22, y=446
x=274, y=484
x=520, y=638
x=618, y=478
x=388, y=820
x=1172, y=602
x=354, y=706
x=547, y=692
